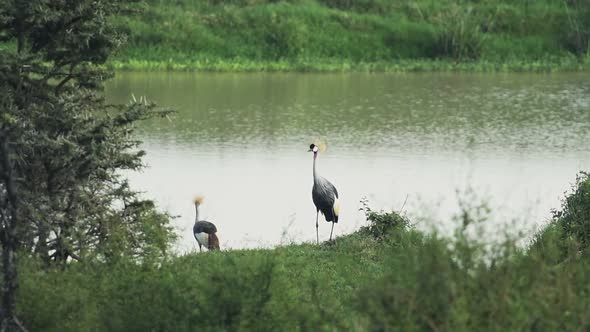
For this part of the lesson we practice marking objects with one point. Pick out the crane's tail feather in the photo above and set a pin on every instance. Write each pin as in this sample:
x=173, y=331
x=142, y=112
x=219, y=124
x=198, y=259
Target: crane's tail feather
x=334, y=220
x=330, y=216
x=213, y=242
x=335, y=212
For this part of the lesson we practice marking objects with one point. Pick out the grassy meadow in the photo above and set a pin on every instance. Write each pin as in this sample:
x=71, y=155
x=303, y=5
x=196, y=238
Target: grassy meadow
x=367, y=35
x=388, y=276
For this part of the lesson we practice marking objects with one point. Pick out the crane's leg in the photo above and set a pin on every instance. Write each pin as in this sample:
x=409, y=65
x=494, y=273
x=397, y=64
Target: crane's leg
x=332, y=230
x=317, y=233
x=200, y=247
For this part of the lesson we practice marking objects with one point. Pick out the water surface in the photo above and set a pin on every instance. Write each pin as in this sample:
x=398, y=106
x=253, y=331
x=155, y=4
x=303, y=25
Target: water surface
x=514, y=141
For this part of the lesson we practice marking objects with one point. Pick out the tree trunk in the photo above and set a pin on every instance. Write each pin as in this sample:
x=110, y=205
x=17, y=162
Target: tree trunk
x=8, y=240
x=9, y=287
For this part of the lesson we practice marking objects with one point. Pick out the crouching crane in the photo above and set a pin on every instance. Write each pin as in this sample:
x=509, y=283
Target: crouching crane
x=205, y=232
x=325, y=197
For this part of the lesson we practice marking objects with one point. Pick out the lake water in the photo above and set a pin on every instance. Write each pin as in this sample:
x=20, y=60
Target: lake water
x=513, y=141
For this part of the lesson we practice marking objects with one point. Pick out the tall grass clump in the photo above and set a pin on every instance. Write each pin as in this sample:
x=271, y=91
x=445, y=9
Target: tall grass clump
x=460, y=35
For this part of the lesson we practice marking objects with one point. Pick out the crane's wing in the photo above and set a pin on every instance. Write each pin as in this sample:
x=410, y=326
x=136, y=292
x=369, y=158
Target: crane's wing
x=204, y=227
x=325, y=198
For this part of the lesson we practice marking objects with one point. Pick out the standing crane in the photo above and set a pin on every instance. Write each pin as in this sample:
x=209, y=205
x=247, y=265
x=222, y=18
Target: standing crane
x=205, y=232
x=325, y=197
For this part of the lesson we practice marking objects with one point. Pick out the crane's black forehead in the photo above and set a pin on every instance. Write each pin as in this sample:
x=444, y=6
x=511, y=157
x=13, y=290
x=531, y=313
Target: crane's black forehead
x=311, y=146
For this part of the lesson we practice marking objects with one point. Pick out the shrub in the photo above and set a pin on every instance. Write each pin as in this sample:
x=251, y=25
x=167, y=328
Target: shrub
x=382, y=224
x=412, y=40
x=574, y=32
x=415, y=294
x=574, y=217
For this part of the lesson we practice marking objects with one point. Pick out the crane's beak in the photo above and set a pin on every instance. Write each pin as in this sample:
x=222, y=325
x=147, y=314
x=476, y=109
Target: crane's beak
x=309, y=150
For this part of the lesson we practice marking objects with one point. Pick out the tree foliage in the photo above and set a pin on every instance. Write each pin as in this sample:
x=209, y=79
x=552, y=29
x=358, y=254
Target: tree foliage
x=67, y=146
x=63, y=147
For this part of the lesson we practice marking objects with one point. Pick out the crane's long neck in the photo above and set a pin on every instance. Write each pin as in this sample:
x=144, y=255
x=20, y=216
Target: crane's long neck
x=196, y=212
x=315, y=174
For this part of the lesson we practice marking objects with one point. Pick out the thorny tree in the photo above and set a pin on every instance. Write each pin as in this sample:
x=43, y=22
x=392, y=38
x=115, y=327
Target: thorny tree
x=62, y=145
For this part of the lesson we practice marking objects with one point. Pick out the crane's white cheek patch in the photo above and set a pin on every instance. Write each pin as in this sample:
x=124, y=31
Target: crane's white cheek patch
x=336, y=206
x=202, y=238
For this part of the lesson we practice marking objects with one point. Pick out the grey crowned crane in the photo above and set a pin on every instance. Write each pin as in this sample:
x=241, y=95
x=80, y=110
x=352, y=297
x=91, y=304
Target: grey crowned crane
x=205, y=232
x=324, y=195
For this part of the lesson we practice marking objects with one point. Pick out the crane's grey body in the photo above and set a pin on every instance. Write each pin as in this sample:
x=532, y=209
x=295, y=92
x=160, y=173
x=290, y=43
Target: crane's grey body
x=203, y=226
x=325, y=197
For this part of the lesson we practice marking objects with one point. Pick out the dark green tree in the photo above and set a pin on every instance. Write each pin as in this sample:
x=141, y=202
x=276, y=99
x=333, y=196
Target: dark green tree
x=63, y=146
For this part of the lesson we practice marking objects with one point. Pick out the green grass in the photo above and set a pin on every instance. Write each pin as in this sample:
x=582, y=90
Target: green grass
x=385, y=277
x=323, y=65
x=342, y=35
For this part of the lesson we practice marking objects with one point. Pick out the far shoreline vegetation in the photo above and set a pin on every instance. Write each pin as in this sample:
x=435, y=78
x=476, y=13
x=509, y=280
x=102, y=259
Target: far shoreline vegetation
x=326, y=66
x=363, y=35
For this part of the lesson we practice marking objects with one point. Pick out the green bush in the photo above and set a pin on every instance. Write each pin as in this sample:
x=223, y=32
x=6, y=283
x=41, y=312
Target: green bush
x=383, y=224
x=415, y=294
x=574, y=216
x=412, y=40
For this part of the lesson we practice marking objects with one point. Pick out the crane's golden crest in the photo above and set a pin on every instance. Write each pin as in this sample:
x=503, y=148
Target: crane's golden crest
x=321, y=144
x=198, y=199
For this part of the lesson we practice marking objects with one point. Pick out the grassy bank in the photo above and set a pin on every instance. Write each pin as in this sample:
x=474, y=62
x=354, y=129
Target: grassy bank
x=374, y=35
x=322, y=65
x=387, y=276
